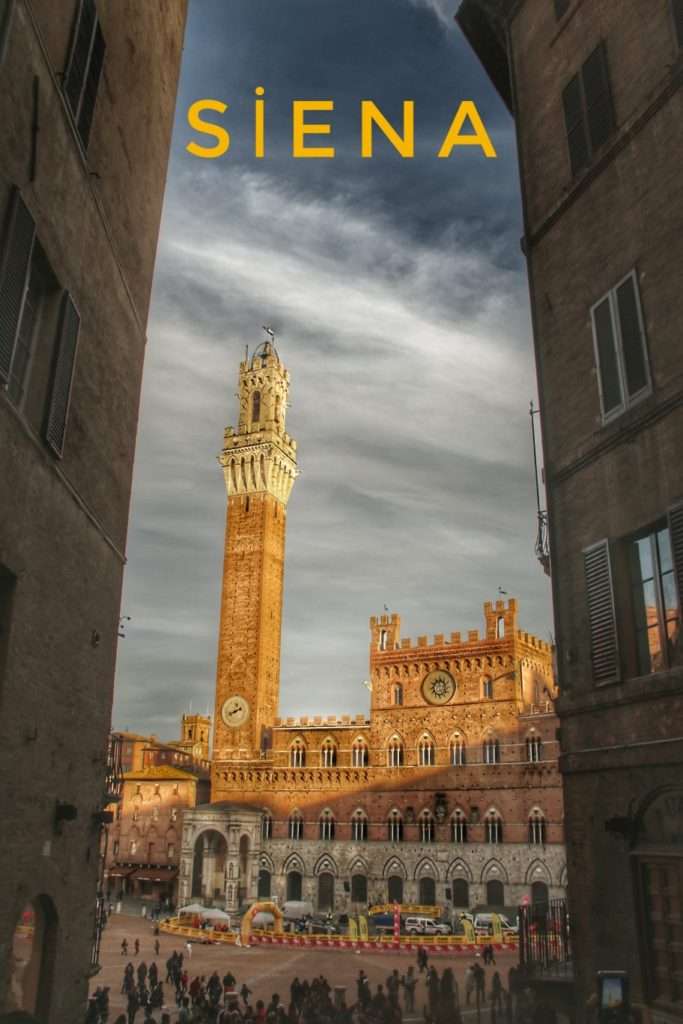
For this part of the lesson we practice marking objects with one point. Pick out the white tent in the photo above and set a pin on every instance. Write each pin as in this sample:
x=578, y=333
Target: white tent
x=194, y=908
x=215, y=914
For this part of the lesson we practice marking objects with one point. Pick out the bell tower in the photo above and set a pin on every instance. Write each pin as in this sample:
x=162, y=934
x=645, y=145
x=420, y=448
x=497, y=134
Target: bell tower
x=259, y=465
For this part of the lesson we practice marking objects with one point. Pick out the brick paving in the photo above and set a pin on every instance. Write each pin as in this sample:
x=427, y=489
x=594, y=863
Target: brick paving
x=265, y=969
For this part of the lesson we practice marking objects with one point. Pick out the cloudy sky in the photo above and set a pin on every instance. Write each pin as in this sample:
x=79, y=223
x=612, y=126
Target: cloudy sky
x=397, y=291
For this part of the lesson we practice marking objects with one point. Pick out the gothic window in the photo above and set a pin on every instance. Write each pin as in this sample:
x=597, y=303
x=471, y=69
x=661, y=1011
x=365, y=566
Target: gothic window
x=328, y=754
x=487, y=688
x=359, y=753
x=395, y=752
x=297, y=754
x=256, y=407
x=277, y=408
x=359, y=826
x=534, y=747
x=491, y=751
x=461, y=892
x=170, y=851
x=397, y=694
x=459, y=826
x=157, y=790
x=427, y=827
x=536, y=828
x=136, y=814
x=138, y=790
x=493, y=827
x=115, y=849
x=426, y=751
x=266, y=827
x=395, y=827
x=457, y=750
x=133, y=846
x=176, y=788
x=495, y=893
x=500, y=627
x=174, y=814
x=359, y=889
x=155, y=813
x=296, y=825
x=383, y=639
x=326, y=825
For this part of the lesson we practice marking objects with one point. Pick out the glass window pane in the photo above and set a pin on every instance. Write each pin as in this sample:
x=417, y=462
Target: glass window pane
x=669, y=595
x=644, y=551
x=632, y=341
x=607, y=357
x=664, y=548
x=654, y=640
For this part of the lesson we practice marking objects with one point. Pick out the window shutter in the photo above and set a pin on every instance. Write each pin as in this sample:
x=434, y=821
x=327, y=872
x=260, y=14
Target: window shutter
x=632, y=341
x=605, y=347
x=74, y=79
x=598, y=97
x=573, y=119
x=91, y=84
x=55, y=428
x=601, y=615
x=14, y=275
x=561, y=8
x=676, y=534
x=677, y=11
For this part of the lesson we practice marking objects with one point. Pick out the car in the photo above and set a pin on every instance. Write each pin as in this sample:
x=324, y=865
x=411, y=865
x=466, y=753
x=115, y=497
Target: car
x=483, y=924
x=426, y=926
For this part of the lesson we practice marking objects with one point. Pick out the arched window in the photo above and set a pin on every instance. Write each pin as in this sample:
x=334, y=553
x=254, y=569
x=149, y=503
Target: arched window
x=133, y=846
x=493, y=827
x=500, y=627
x=426, y=751
x=383, y=639
x=495, y=893
x=491, y=751
x=457, y=750
x=359, y=753
x=174, y=814
x=395, y=827
x=395, y=752
x=326, y=825
x=359, y=827
x=256, y=407
x=294, y=885
x=461, y=892
x=427, y=891
x=539, y=893
x=296, y=825
x=297, y=754
x=536, y=828
x=459, y=827
x=534, y=748
x=34, y=948
x=359, y=889
x=487, y=688
x=397, y=693
x=264, y=880
x=426, y=827
x=278, y=402
x=328, y=753
x=395, y=889
x=266, y=827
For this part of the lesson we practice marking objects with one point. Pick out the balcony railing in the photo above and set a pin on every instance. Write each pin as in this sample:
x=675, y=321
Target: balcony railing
x=545, y=940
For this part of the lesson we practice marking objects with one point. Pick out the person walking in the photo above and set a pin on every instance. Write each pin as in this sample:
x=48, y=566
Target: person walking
x=157, y=947
x=133, y=1006
x=124, y=947
x=245, y=992
x=409, y=982
x=137, y=947
x=496, y=992
x=188, y=949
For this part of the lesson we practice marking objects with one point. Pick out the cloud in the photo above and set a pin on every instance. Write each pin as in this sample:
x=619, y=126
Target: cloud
x=411, y=372
x=443, y=10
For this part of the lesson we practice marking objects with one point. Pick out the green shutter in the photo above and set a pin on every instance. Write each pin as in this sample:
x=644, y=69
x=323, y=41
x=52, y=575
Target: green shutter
x=14, y=274
x=602, y=622
x=55, y=427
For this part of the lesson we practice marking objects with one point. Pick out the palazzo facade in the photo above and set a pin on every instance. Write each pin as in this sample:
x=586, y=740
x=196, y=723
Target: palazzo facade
x=448, y=793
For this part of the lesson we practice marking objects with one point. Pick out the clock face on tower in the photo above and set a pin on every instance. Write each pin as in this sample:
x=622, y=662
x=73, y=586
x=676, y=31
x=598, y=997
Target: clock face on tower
x=235, y=711
x=438, y=687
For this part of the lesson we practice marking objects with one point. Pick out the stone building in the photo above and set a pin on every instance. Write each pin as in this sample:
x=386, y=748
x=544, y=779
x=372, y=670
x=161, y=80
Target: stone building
x=160, y=781
x=596, y=93
x=447, y=794
x=87, y=95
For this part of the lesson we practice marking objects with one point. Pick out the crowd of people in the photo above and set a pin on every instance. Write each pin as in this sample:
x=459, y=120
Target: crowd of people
x=183, y=997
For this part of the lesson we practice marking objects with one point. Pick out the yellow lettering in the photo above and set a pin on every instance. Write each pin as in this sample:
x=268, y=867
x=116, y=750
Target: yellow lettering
x=467, y=111
x=206, y=128
x=371, y=114
x=300, y=128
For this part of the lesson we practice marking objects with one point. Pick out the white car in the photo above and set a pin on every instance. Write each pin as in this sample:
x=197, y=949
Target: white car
x=425, y=926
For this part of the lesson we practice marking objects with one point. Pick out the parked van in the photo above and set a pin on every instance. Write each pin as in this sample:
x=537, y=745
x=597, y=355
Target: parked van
x=483, y=924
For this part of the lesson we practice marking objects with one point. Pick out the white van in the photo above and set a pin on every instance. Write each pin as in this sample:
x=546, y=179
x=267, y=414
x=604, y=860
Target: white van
x=425, y=926
x=483, y=924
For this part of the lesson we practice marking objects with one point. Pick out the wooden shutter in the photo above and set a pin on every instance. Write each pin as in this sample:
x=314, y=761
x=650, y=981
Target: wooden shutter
x=55, y=426
x=601, y=614
x=574, y=124
x=676, y=534
x=14, y=274
x=598, y=97
x=632, y=340
x=677, y=11
x=561, y=8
